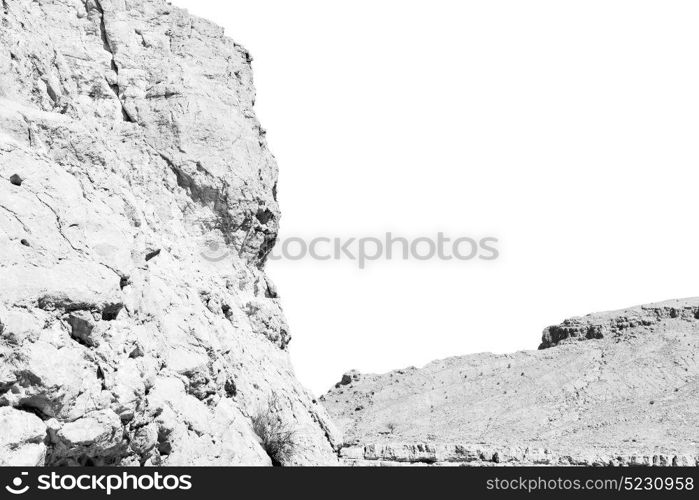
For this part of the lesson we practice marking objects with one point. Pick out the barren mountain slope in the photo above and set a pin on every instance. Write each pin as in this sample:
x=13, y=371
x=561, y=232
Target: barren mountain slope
x=137, y=208
x=612, y=388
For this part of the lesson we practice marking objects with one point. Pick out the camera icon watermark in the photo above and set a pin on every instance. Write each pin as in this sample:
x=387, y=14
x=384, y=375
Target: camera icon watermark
x=16, y=488
x=214, y=251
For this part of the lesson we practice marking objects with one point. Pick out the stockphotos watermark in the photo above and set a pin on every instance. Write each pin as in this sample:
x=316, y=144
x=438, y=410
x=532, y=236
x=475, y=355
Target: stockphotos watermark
x=365, y=249
x=96, y=482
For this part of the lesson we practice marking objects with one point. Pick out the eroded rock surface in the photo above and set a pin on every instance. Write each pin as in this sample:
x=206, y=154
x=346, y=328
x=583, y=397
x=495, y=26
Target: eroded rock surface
x=137, y=207
x=617, y=388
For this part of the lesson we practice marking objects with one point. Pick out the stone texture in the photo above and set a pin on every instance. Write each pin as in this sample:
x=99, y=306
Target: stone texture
x=137, y=207
x=617, y=388
x=22, y=438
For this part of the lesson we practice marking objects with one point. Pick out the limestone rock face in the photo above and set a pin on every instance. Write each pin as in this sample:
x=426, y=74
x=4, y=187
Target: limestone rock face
x=22, y=438
x=617, y=388
x=137, y=207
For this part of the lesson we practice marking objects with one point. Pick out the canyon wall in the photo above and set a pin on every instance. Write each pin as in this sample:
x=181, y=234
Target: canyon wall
x=138, y=203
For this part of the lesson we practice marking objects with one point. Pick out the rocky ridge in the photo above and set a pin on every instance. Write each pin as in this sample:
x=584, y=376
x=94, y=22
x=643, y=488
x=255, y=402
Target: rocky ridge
x=616, y=388
x=137, y=208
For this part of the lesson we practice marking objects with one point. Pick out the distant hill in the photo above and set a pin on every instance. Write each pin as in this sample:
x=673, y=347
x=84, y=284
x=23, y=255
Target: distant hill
x=614, y=388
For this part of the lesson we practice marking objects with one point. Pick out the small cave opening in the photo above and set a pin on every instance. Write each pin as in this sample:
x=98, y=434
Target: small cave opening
x=230, y=388
x=124, y=282
x=164, y=446
x=33, y=407
x=111, y=312
x=264, y=215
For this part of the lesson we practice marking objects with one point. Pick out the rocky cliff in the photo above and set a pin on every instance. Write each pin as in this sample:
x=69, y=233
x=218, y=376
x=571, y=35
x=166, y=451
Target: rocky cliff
x=137, y=207
x=617, y=388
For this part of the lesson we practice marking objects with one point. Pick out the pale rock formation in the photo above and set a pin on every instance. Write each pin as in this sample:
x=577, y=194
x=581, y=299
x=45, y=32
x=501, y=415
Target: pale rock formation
x=137, y=207
x=22, y=438
x=617, y=388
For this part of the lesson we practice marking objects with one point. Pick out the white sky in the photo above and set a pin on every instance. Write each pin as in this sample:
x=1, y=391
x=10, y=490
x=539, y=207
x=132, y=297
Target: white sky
x=566, y=128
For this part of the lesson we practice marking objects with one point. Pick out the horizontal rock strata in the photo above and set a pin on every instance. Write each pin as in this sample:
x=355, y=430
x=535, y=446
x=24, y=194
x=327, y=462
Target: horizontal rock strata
x=617, y=388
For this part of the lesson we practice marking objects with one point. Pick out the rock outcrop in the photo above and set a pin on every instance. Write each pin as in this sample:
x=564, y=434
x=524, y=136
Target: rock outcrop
x=618, y=388
x=137, y=207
